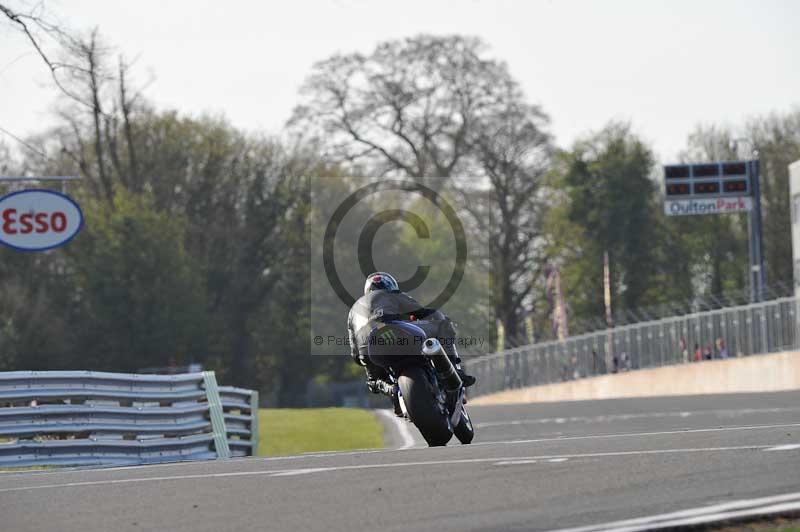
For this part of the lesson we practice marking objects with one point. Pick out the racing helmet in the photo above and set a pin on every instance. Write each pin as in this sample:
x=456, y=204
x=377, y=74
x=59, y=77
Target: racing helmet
x=380, y=281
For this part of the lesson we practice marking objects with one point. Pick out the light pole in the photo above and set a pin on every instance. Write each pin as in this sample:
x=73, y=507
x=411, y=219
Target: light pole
x=756, y=274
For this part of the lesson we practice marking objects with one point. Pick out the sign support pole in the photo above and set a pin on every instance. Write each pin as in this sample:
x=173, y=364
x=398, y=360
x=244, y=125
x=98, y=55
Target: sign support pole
x=757, y=273
x=609, y=318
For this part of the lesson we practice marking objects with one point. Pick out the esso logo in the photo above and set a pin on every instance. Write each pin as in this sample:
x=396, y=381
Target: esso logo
x=35, y=220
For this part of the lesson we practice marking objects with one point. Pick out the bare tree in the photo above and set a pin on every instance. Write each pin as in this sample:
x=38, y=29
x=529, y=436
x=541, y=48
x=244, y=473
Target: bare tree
x=514, y=153
x=406, y=108
x=99, y=99
x=433, y=107
x=38, y=28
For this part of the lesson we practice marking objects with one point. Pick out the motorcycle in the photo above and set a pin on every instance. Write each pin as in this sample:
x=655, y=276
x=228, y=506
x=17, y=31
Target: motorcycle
x=423, y=380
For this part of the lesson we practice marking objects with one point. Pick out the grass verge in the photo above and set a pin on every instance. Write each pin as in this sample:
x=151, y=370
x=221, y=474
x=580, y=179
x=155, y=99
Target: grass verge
x=283, y=431
x=786, y=523
x=28, y=468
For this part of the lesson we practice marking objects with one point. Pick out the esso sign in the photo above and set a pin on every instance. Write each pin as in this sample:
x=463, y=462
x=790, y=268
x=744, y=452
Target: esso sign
x=35, y=220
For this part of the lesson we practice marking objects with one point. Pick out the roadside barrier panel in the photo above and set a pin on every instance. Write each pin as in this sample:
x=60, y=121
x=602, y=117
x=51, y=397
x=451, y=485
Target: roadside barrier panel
x=98, y=418
x=755, y=329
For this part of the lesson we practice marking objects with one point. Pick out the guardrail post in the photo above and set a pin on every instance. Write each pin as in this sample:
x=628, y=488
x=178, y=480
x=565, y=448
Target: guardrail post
x=216, y=414
x=254, y=422
x=796, y=322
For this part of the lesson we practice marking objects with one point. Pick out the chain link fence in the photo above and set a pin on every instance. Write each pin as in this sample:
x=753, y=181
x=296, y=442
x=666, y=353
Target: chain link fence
x=765, y=327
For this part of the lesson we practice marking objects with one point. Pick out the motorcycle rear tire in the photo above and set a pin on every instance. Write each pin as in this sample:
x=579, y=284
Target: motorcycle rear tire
x=464, y=430
x=420, y=400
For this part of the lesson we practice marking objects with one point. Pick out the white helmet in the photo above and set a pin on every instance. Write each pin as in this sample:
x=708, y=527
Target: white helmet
x=380, y=281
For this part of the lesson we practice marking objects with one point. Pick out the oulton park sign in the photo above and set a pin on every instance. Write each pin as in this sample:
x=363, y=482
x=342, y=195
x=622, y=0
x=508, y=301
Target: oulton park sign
x=689, y=207
x=710, y=188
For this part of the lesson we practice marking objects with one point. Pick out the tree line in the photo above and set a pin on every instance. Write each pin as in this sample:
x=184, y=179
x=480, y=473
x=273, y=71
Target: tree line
x=197, y=248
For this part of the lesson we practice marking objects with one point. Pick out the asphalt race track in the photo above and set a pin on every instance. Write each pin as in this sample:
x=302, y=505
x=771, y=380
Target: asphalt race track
x=532, y=467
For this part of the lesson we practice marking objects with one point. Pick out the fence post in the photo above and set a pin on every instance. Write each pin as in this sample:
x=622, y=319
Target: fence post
x=796, y=321
x=216, y=414
x=254, y=422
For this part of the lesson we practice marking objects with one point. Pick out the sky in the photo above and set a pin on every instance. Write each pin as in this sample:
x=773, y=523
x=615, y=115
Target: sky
x=663, y=65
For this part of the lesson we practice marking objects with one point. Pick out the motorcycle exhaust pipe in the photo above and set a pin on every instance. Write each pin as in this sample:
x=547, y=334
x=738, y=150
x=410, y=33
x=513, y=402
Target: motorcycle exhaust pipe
x=444, y=368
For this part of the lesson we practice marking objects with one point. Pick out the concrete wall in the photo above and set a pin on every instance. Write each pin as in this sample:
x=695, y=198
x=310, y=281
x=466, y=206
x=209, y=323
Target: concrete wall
x=758, y=373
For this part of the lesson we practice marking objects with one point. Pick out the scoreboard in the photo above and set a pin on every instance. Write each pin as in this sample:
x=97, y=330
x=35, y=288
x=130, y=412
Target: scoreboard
x=708, y=188
x=707, y=179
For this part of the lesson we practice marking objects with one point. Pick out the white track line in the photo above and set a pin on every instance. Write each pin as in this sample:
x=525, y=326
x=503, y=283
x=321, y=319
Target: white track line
x=212, y=463
x=519, y=462
x=641, y=415
x=402, y=428
x=630, y=434
x=701, y=515
x=360, y=467
x=789, y=447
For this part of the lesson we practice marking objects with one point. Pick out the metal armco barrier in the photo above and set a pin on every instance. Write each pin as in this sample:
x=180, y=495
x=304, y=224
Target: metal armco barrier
x=759, y=328
x=96, y=418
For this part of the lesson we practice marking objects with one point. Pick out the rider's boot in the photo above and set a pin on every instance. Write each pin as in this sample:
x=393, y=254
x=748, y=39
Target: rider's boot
x=386, y=388
x=398, y=410
x=380, y=386
x=468, y=380
x=452, y=354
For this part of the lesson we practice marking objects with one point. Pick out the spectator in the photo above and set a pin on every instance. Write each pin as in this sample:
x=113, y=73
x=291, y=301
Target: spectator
x=624, y=362
x=698, y=355
x=722, y=351
x=684, y=350
x=707, y=354
x=598, y=364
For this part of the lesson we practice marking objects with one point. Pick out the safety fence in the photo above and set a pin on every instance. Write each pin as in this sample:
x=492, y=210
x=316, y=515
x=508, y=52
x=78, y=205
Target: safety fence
x=758, y=328
x=97, y=418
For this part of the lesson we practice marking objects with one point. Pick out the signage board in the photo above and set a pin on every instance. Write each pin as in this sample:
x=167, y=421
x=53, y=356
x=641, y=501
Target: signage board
x=36, y=219
x=708, y=180
x=687, y=207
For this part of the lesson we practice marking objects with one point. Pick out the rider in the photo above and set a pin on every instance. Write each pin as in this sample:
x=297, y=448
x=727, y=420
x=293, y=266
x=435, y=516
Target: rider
x=383, y=300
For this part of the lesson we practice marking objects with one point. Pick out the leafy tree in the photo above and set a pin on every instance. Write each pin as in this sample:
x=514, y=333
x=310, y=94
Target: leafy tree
x=514, y=152
x=236, y=195
x=609, y=207
x=717, y=245
x=33, y=327
x=714, y=247
x=138, y=299
x=776, y=137
x=121, y=296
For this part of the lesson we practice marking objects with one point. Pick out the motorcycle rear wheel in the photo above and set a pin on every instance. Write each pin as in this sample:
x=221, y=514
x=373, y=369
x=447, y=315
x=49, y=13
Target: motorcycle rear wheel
x=421, y=403
x=464, y=430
